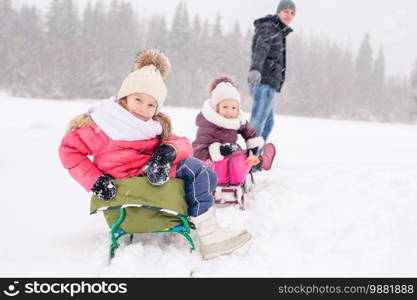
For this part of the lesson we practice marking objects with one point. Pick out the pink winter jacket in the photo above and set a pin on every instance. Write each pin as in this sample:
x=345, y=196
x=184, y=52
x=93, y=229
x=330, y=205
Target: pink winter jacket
x=120, y=159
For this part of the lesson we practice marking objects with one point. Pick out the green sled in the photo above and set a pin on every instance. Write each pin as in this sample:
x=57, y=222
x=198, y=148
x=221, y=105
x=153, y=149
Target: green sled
x=140, y=207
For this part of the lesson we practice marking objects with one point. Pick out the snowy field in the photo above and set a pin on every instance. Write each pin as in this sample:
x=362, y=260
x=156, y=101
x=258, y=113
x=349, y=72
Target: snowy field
x=340, y=201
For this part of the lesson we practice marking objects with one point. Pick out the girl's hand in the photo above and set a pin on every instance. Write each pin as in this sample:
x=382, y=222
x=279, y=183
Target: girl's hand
x=252, y=160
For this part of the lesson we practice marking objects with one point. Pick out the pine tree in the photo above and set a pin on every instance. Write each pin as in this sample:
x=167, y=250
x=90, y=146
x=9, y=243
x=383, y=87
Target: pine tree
x=95, y=80
x=232, y=53
x=413, y=76
x=246, y=59
x=121, y=43
x=377, y=88
x=157, y=33
x=62, y=34
x=199, y=81
x=332, y=88
x=347, y=105
x=179, y=50
x=363, y=80
x=28, y=76
x=378, y=70
x=65, y=57
x=8, y=61
x=217, y=48
x=413, y=82
x=206, y=59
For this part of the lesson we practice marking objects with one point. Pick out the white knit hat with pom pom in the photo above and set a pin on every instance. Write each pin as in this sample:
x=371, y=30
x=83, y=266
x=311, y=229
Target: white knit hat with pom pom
x=151, y=68
x=224, y=90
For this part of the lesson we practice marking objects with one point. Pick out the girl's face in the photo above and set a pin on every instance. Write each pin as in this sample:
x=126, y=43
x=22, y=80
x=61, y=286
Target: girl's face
x=228, y=108
x=142, y=106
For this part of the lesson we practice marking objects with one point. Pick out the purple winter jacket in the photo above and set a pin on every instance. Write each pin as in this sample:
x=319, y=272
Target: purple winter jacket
x=214, y=130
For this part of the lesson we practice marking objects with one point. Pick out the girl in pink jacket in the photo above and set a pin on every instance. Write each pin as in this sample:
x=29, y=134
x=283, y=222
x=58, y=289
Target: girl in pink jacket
x=128, y=136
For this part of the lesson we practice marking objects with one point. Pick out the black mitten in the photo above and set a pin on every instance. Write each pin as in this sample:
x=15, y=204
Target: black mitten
x=227, y=149
x=104, y=188
x=158, y=167
x=253, y=151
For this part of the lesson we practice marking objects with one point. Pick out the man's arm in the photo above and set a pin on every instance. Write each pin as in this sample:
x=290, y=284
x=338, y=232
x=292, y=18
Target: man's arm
x=263, y=43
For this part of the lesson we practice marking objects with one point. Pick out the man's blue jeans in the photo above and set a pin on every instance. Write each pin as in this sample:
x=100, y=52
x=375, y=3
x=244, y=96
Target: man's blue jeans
x=262, y=117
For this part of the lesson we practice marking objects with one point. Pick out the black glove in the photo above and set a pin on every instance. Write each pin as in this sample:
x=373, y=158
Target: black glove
x=228, y=148
x=158, y=167
x=104, y=188
x=253, y=151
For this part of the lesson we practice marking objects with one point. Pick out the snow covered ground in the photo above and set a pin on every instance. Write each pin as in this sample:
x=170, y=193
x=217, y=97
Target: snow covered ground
x=340, y=201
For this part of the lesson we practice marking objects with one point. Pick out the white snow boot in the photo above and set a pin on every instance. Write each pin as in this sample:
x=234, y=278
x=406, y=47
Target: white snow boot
x=214, y=241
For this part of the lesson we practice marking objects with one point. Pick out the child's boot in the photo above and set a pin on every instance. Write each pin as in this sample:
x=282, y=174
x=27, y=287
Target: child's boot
x=214, y=241
x=267, y=156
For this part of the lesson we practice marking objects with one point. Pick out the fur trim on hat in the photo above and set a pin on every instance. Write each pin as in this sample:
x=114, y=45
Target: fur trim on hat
x=214, y=117
x=156, y=58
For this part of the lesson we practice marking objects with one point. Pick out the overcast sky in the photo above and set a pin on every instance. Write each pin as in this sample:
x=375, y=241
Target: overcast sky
x=391, y=23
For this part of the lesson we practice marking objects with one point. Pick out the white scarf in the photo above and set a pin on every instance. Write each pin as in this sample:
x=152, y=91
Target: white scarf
x=119, y=124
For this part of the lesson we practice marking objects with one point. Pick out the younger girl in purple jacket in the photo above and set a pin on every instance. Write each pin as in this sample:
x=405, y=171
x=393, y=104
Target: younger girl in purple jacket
x=219, y=124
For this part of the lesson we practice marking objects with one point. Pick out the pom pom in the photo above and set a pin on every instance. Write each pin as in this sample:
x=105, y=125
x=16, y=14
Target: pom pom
x=220, y=79
x=156, y=58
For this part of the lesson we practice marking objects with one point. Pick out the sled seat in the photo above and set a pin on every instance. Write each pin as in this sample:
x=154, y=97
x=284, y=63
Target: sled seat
x=140, y=207
x=232, y=173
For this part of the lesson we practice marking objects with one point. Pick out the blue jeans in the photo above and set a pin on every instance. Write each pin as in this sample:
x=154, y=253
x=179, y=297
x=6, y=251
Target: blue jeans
x=199, y=182
x=262, y=117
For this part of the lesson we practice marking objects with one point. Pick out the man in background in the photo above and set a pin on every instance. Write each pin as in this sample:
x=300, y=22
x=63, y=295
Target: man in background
x=268, y=64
